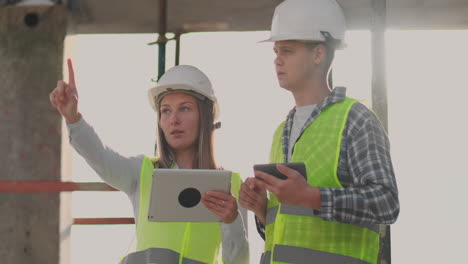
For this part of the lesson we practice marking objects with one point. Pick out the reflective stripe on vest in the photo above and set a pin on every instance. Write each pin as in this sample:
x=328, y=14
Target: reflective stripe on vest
x=304, y=211
x=265, y=258
x=156, y=255
x=299, y=255
x=271, y=214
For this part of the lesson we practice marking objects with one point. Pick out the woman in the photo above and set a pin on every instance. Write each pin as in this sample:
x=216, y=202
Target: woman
x=187, y=108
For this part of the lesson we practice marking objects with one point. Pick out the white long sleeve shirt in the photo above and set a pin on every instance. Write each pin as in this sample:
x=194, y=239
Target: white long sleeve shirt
x=123, y=173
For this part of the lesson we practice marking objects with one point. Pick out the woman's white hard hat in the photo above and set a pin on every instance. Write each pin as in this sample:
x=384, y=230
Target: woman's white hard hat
x=308, y=20
x=183, y=78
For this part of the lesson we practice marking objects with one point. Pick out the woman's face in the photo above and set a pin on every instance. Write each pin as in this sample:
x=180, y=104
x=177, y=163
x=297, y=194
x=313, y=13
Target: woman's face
x=179, y=120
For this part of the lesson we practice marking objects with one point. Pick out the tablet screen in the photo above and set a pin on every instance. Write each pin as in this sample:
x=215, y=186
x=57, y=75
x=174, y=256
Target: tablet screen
x=176, y=194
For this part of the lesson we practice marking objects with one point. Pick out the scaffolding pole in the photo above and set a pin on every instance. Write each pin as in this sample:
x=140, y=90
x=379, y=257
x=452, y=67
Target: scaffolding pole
x=379, y=97
x=162, y=40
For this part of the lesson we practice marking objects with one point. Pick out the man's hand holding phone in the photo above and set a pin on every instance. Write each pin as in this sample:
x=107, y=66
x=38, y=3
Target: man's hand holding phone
x=293, y=190
x=272, y=169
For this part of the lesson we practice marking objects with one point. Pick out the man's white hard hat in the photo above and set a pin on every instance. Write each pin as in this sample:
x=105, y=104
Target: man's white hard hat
x=185, y=79
x=309, y=20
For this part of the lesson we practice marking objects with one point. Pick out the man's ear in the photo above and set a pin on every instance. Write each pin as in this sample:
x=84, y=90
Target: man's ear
x=320, y=54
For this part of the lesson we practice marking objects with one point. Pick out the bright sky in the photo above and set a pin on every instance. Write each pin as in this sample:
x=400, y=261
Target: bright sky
x=426, y=73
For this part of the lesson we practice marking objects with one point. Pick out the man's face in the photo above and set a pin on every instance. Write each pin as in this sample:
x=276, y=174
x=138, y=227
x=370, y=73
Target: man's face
x=294, y=63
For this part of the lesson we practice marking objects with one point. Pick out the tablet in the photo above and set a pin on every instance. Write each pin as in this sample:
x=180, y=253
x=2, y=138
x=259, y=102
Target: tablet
x=176, y=194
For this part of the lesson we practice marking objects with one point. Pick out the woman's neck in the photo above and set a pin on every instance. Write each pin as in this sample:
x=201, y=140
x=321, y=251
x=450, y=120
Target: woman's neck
x=185, y=158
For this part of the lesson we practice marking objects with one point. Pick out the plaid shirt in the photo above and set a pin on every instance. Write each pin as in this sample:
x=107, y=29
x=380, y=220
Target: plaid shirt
x=369, y=194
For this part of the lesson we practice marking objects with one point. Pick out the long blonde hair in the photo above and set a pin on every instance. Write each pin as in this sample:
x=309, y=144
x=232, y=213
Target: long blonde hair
x=204, y=156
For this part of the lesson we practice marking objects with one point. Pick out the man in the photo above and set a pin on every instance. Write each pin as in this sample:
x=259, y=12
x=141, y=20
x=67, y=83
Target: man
x=332, y=215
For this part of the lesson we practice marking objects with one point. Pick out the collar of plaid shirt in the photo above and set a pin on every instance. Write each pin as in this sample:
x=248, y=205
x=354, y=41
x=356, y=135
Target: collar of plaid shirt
x=338, y=94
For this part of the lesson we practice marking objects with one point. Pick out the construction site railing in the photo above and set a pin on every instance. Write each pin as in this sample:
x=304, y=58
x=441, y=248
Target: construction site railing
x=57, y=186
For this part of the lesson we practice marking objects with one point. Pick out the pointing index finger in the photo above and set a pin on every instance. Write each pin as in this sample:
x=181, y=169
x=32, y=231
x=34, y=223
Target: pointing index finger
x=71, y=73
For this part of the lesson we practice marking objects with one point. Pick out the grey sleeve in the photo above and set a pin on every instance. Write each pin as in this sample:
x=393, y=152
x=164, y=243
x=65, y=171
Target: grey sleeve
x=118, y=171
x=235, y=242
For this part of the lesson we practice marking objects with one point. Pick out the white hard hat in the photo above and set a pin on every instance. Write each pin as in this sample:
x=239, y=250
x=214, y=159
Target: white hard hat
x=309, y=20
x=184, y=78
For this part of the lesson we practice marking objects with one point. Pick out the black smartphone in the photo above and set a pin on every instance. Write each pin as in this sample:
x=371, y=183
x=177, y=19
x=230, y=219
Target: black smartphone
x=271, y=169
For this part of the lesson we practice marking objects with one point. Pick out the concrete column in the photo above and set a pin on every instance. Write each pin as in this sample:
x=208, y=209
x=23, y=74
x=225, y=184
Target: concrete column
x=31, y=55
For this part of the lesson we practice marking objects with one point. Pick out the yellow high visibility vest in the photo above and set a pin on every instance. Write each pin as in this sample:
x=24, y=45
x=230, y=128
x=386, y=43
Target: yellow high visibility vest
x=174, y=242
x=296, y=234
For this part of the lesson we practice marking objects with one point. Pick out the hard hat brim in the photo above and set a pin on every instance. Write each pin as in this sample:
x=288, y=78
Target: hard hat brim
x=274, y=39
x=294, y=37
x=155, y=92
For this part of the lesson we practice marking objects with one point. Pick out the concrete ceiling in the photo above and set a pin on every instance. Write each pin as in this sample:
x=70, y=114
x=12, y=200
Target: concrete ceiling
x=142, y=16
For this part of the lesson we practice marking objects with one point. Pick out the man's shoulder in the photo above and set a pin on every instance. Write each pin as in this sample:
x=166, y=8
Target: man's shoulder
x=361, y=110
x=361, y=115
